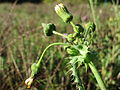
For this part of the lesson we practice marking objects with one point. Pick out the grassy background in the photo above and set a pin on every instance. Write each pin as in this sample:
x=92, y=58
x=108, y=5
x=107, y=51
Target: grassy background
x=22, y=41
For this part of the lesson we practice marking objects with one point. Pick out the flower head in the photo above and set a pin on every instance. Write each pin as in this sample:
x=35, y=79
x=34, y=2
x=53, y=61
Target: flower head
x=29, y=81
x=62, y=11
x=48, y=29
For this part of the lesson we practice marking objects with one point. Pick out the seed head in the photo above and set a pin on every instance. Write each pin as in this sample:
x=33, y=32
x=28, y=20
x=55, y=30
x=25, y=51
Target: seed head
x=48, y=29
x=62, y=11
x=29, y=81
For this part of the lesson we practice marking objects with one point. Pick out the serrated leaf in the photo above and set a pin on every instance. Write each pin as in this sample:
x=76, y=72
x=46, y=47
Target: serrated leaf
x=74, y=59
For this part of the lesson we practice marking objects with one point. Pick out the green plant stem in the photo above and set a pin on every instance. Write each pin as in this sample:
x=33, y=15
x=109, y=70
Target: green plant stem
x=92, y=9
x=57, y=33
x=53, y=44
x=97, y=76
x=86, y=33
x=93, y=12
x=73, y=25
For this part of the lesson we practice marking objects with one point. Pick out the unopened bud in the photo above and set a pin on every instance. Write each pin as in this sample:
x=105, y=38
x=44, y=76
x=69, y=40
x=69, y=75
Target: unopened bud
x=48, y=29
x=62, y=11
x=70, y=38
x=34, y=69
x=72, y=51
x=78, y=28
x=90, y=26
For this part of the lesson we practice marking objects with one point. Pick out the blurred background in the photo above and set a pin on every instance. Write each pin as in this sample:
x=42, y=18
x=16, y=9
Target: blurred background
x=22, y=42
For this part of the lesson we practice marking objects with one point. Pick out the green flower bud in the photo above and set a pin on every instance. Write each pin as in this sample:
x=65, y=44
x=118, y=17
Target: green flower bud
x=34, y=69
x=70, y=38
x=78, y=28
x=90, y=26
x=48, y=29
x=62, y=11
x=72, y=51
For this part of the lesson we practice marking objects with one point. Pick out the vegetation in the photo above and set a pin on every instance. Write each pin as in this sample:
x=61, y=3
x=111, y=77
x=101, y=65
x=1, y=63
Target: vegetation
x=22, y=42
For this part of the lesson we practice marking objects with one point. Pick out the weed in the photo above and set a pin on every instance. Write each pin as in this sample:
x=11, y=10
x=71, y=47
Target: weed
x=77, y=47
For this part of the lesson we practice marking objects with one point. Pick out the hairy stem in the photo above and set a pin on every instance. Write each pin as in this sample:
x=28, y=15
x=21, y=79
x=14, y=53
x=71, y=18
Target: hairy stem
x=97, y=76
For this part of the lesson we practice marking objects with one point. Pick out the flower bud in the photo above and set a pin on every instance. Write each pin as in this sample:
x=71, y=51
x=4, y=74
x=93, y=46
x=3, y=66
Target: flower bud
x=72, y=51
x=90, y=26
x=62, y=11
x=70, y=38
x=34, y=69
x=48, y=29
x=78, y=28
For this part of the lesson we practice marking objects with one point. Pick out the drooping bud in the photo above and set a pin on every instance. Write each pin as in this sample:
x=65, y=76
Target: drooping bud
x=62, y=11
x=78, y=28
x=48, y=29
x=90, y=26
x=72, y=51
x=34, y=69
